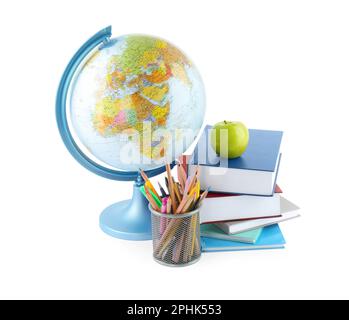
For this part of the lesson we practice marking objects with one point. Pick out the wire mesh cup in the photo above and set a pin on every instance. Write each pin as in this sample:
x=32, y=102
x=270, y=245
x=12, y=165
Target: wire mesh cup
x=176, y=238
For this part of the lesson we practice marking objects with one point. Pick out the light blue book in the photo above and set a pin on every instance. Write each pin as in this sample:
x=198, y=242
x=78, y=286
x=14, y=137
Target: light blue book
x=270, y=238
x=211, y=231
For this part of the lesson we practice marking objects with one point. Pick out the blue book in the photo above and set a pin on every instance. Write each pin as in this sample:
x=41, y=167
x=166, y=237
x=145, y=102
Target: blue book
x=209, y=230
x=254, y=173
x=271, y=238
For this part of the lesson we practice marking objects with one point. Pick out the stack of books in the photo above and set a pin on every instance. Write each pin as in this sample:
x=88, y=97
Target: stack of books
x=245, y=205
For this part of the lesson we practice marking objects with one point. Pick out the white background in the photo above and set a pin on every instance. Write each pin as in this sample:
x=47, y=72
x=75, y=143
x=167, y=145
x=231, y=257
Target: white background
x=271, y=64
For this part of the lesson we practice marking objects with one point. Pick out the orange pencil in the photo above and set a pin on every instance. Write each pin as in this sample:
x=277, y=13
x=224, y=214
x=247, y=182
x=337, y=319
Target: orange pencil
x=144, y=176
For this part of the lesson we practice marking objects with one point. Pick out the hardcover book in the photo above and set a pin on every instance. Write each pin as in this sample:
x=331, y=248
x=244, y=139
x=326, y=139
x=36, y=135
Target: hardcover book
x=253, y=173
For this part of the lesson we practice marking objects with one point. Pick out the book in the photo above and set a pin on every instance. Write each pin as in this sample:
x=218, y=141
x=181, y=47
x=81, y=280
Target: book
x=270, y=238
x=227, y=207
x=288, y=211
x=212, y=231
x=253, y=173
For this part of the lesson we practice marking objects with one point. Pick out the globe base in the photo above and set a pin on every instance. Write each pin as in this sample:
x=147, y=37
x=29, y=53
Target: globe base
x=128, y=219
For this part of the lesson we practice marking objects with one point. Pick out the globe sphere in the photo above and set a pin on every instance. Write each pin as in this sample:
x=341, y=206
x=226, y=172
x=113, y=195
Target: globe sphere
x=137, y=102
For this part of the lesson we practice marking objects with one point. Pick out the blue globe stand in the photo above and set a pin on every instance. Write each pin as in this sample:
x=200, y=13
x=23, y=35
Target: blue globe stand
x=128, y=219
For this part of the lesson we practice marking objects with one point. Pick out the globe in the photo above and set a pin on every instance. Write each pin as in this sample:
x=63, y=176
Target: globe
x=124, y=104
x=137, y=102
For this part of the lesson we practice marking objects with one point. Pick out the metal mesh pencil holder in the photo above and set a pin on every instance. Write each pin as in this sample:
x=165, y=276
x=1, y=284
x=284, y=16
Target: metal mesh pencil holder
x=176, y=238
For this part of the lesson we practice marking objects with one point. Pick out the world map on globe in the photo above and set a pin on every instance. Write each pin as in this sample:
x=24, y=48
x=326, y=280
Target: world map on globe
x=134, y=99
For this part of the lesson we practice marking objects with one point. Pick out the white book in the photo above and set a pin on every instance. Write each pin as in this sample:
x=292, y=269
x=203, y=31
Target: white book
x=239, y=207
x=250, y=182
x=288, y=211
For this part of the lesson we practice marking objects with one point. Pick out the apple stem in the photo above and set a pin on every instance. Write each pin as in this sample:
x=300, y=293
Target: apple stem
x=225, y=122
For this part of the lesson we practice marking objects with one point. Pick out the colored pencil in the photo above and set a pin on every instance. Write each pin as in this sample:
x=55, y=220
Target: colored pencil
x=171, y=188
x=178, y=195
x=178, y=249
x=182, y=176
x=194, y=178
x=162, y=190
x=149, y=185
x=194, y=221
x=184, y=163
x=188, y=204
x=152, y=201
x=169, y=205
x=202, y=197
x=177, y=237
x=144, y=176
x=163, y=210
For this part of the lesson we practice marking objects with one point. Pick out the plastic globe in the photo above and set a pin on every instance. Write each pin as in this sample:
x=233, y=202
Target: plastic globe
x=127, y=103
x=137, y=102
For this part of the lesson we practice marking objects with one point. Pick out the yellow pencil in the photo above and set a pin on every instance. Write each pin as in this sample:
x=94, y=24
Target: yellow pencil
x=148, y=183
x=203, y=196
x=194, y=178
x=194, y=235
x=175, y=187
x=193, y=190
x=198, y=189
x=151, y=200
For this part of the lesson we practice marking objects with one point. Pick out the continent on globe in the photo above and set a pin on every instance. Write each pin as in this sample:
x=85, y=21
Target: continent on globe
x=140, y=76
x=136, y=80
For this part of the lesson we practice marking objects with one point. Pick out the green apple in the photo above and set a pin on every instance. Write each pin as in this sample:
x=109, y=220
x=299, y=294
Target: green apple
x=232, y=142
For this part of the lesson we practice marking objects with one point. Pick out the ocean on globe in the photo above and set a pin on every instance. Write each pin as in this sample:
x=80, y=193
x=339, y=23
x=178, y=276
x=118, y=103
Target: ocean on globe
x=137, y=102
